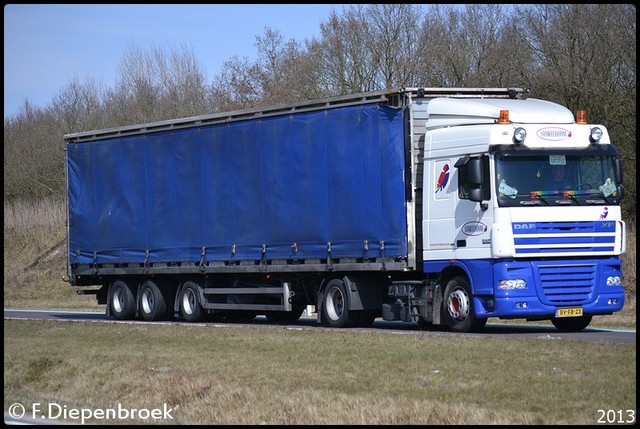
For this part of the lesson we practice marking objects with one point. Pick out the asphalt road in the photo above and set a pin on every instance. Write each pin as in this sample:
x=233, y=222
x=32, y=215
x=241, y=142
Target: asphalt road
x=524, y=331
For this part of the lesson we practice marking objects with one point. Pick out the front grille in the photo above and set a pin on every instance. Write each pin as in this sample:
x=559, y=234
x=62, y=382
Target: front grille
x=567, y=284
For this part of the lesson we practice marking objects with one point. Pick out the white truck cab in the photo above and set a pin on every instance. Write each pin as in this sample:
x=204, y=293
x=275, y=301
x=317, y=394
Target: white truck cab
x=512, y=245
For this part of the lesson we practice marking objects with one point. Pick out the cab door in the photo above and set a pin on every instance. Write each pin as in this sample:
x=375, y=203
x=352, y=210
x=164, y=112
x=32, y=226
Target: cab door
x=473, y=213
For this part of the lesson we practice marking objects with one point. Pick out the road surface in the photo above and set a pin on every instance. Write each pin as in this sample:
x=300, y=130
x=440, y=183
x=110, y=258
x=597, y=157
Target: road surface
x=523, y=331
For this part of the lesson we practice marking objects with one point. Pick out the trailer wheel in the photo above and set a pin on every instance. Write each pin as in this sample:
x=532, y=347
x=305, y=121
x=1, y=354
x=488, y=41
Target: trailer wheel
x=572, y=324
x=122, y=302
x=189, y=302
x=335, y=307
x=458, y=308
x=153, y=301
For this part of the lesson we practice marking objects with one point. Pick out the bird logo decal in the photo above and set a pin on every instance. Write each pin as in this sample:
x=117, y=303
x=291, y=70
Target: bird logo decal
x=443, y=179
x=604, y=214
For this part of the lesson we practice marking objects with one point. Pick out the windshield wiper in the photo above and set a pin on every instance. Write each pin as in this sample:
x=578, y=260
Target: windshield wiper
x=569, y=194
x=538, y=196
x=603, y=199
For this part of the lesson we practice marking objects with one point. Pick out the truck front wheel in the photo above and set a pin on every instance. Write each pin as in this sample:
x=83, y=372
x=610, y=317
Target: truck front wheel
x=571, y=324
x=190, y=308
x=123, y=301
x=458, y=310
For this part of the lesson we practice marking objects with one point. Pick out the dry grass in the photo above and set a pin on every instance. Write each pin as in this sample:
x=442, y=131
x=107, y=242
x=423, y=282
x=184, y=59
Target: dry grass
x=35, y=258
x=221, y=374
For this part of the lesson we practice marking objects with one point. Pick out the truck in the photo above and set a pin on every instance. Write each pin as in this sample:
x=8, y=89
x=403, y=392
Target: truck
x=422, y=205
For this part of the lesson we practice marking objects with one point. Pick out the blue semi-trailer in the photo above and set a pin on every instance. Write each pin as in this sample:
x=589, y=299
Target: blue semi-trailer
x=383, y=204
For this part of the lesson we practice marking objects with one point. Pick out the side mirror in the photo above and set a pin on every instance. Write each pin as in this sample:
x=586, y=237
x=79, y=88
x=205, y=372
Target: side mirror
x=476, y=194
x=475, y=177
x=475, y=171
x=617, y=170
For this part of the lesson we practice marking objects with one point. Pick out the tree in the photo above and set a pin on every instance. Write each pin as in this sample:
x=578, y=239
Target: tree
x=33, y=155
x=586, y=59
x=157, y=84
x=347, y=60
x=78, y=107
x=472, y=46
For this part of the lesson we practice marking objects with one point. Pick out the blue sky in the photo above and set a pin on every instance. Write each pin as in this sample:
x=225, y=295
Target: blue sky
x=46, y=47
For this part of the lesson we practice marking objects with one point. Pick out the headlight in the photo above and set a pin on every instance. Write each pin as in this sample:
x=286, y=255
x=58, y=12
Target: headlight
x=596, y=135
x=614, y=281
x=519, y=135
x=512, y=284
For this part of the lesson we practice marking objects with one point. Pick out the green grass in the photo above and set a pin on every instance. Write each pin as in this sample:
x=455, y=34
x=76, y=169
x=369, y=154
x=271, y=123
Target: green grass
x=219, y=374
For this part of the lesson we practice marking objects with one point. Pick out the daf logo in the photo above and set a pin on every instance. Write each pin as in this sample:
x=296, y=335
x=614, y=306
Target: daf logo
x=524, y=226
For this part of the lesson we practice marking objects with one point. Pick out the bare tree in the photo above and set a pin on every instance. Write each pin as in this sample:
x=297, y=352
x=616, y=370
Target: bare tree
x=283, y=72
x=33, y=155
x=136, y=95
x=586, y=59
x=156, y=84
x=347, y=60
x=286, y=74
x=471, y=46
x=236, y=86
x=395, y=38
x=78, y=107
x=183, y=83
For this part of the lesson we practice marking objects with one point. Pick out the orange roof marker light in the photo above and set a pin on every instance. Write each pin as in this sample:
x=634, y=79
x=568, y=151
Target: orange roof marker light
x=504, y=117
x=581, y=117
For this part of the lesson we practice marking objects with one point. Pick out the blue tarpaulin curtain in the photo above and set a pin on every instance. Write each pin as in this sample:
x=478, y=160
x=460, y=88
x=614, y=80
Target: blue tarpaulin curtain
x=334, y=175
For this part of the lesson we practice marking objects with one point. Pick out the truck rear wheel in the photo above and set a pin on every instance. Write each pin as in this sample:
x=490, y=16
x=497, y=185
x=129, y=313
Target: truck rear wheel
x=123, y=301
x=189, y=302
x=572, y=324
x=458, y=310
x=153, y=301
x=335, y=306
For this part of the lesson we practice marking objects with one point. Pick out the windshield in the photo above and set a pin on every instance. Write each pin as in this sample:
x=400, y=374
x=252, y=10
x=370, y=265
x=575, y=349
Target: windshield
x=524, y=178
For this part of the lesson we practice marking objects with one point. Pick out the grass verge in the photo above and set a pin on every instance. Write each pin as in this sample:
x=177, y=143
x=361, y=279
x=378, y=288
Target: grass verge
x=218, y=374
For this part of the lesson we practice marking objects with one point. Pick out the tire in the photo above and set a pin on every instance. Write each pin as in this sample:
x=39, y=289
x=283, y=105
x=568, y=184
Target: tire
x=122, y=300
x=189, y=302
x=423, y=324
x=571, y=324
x=458, y=310
x=153, y=301
x=335, y=306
